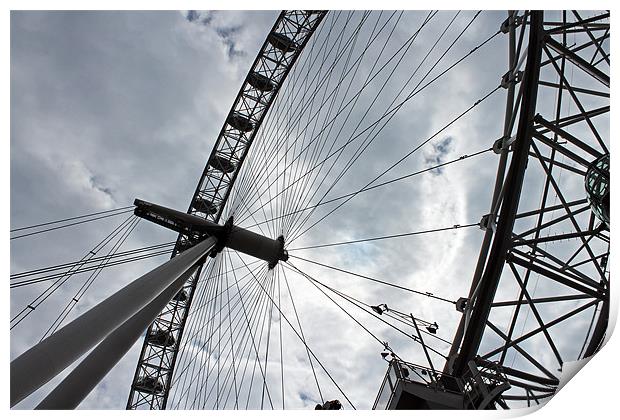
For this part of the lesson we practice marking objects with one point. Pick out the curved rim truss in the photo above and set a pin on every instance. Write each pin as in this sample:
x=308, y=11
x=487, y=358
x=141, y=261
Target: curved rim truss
x=540, y=295
x=275, y=59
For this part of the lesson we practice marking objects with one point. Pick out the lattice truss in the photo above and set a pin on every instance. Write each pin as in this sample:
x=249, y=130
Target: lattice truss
x=551, y=302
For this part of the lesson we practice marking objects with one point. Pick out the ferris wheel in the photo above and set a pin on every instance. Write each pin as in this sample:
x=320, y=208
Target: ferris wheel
x=424, y=193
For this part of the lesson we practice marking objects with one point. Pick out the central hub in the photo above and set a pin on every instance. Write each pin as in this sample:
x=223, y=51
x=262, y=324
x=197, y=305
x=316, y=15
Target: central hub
x=229, y=236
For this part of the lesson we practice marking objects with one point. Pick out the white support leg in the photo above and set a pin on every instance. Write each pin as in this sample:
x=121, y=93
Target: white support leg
x=83, y=379
x=44, y=361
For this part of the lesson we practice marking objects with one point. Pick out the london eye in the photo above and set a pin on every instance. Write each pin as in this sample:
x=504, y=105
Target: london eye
x=400, y=210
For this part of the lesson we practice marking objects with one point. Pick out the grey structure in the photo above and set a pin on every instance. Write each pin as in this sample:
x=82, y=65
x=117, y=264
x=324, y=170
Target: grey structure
x=278, y=54
x=544, y=145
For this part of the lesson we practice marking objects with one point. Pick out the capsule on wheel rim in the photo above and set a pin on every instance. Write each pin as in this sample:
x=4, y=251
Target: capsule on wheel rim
x=221, y=164
x=181, y=296
x=150, y=385
x=260, y=82
x=282, y=42
x=161, y=338
x=204, y=206
x=240, y=122
x=597, y=188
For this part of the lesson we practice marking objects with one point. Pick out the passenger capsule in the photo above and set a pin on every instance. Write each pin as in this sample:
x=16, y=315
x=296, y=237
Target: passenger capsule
x=282, y=42
x=149, y=384
x=240, y=122
x=221, y=164
x=181, y=296
x=161, y=338
x=204, y=206
x=597, y=188
x=260, y=82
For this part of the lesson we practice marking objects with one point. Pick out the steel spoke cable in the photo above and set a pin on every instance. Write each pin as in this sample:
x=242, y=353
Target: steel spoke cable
x=244, y=324
x=267, y=347
x=328, y=79
x=388, y=313
x=84, y=268
x=232, y=369
x=313, y=355
x=208, y=327
x=234, y=149
x=314, y=282
x=374, y=136
x=228, y=375
x=254, y=350
x=359, y=92
x=257, y=353
x=185, y=352
x=70, y=218
x=211, y=349
x=407, y=43
x=232, y=341
x=281, y=346
x=211, y=367
x=202, y=319
x=378, y=238
x=303, y=338
x=89, y=282
x=426, y=294
x=365, y=144
x=205, y=355
x=303, y=187
x=400, y=160
x=42, y=297
x=245, y=338
x=220, y=361
x=248, y=323
x=226, y=290
x=24, y=235
x=370, y=136
x=197, y=308
x=270, y=138
x=268, y=157
x=204, y=326
x=372, y=187
x=305, y=128
x=262, y=146
x=334, y=96
x=411, y=95
x=95, y=259
x=243, y=204
x=219, y=349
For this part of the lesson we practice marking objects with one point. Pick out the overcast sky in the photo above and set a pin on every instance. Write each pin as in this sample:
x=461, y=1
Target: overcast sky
x=110, y=106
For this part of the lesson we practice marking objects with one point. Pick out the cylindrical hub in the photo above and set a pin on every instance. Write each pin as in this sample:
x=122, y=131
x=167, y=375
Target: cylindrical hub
x=230, y=236
x=258, y=246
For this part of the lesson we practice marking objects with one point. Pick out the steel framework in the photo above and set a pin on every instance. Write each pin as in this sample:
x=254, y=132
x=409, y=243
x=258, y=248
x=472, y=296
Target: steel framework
x=283, y=45
x=540, y=292
x=555, y=246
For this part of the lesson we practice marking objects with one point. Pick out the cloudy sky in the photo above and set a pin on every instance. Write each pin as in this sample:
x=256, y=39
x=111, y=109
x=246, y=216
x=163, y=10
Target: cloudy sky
x=110, y=106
